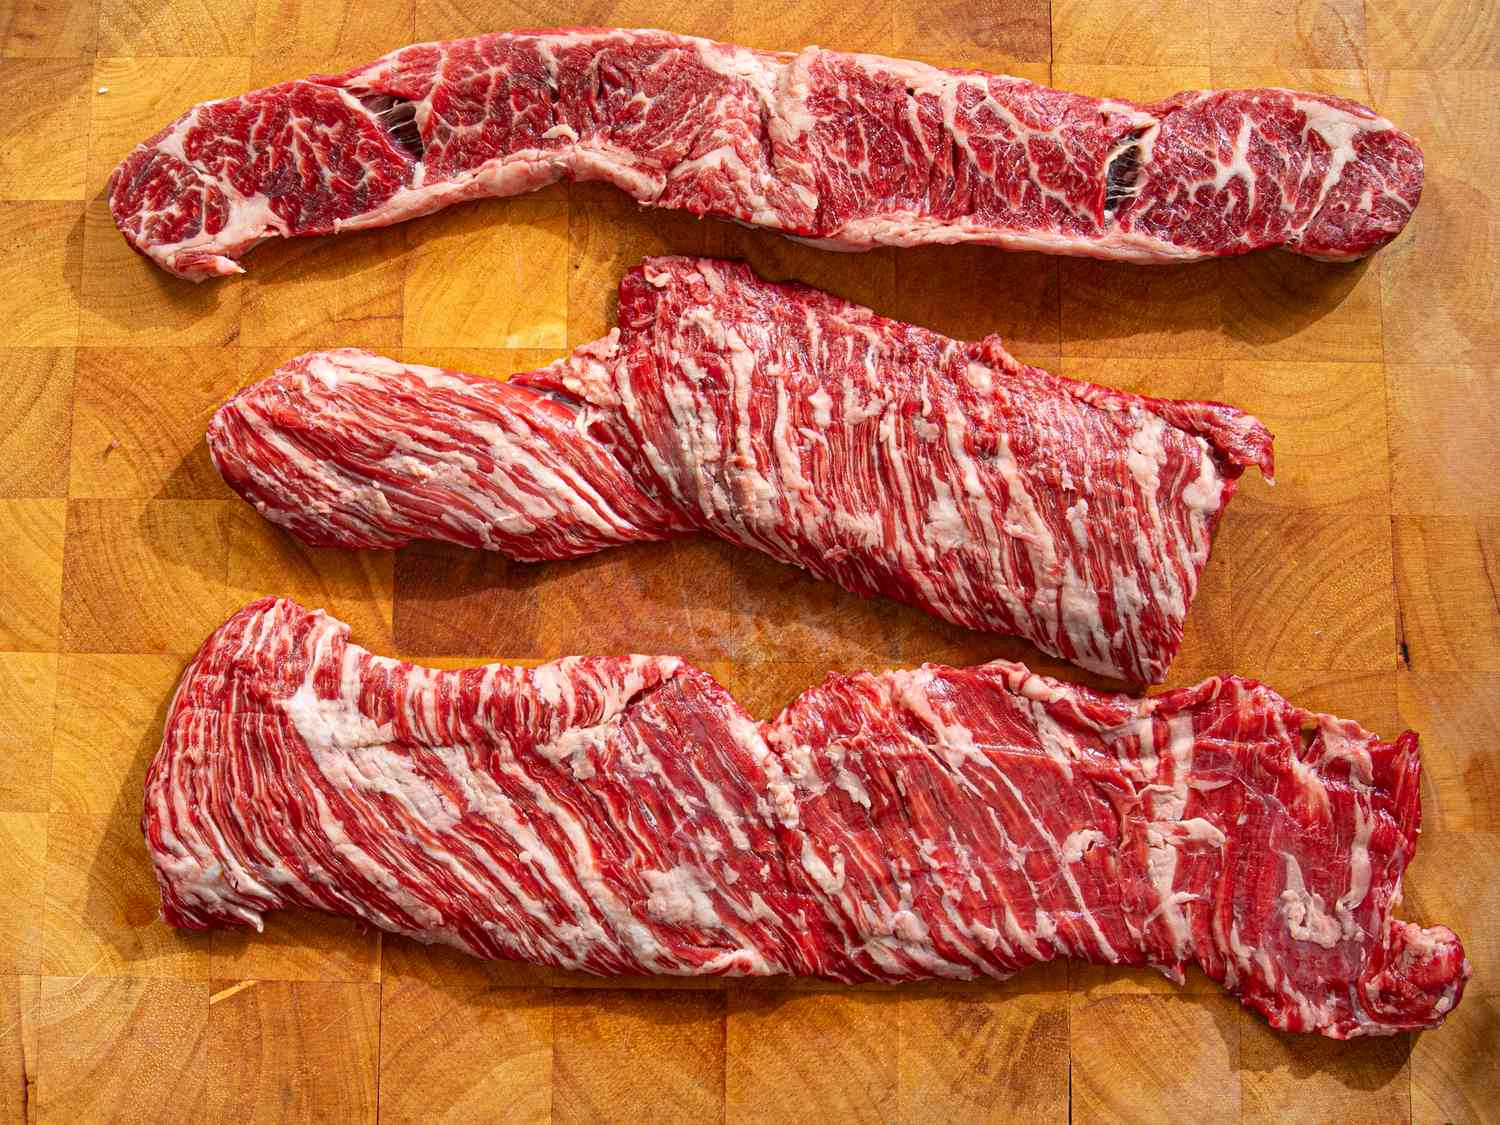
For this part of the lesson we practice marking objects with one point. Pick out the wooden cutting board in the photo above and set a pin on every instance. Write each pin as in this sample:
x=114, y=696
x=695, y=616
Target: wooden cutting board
x=1364, y=583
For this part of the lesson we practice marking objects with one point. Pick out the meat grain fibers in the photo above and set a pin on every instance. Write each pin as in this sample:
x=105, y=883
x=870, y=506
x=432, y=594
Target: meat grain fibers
x=877, y=455
x=625, y=815
x=849, y=151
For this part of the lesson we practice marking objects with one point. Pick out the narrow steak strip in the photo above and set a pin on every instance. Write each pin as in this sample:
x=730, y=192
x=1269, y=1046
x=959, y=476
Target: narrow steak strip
x=883, y=457
x=624, y=815
x=850, y=151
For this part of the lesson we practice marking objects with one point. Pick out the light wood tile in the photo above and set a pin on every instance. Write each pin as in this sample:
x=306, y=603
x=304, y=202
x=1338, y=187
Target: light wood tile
x=823, y=1056
x=41, y=273
x=344, y=291
x=144, y=576
x=1453, y=1074
x=110, y=711
x=140, y=28
x=1329, y=420
x=335, y=29
x=1145, y=34
x=1115, y=78
x=1457, y=714
x=1444, y=429
x=121, y=1050
x=450, y=19
x=496, y=1053
x=993, y=37
x=963, y=1058
x=1439, y=279
x=1310, y=591
x=293, y=1051
x=298, y=945
x=634, y=1055
x=23, y=845
x=51, y=29
x=36, y=428
x=781, y=25
x=31, y=566
x=1445, y=585
x=1434, y=34
x=488, y=275
x=1118, y=1067
x=18, y=1047
x=100, y=916
x=139, y=416
x=44, y=134
x=1326, y=33
x=1455, y=880
x=28, y=683
x=1306, y=1078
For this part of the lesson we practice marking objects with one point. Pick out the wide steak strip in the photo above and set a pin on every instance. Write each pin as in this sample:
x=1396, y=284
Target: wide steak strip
x=624, y=815
x=880, y=456
x=851, y=151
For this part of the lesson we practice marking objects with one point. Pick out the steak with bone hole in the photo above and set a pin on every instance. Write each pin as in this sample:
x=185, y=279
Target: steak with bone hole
x=881, y=456
x=625, y=815
x=848, y=151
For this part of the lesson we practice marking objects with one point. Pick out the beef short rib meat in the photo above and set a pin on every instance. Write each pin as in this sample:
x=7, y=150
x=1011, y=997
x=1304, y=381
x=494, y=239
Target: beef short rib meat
x=877, y=455
x=625, y=815
x=849, y=151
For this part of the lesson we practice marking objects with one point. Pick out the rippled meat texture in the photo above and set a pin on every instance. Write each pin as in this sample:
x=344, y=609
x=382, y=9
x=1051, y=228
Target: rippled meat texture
x=624, y=815
x=877, y=455
x=851, y=151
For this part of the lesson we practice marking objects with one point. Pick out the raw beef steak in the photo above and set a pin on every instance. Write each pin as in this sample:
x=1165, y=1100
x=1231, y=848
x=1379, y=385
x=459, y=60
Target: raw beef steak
x=849, y=151
x=880, y=456
x=625, y=815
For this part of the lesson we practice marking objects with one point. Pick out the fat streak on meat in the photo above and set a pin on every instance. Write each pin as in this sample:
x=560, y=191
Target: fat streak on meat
x=847, y=151
x=625, y=815
x=877, y=455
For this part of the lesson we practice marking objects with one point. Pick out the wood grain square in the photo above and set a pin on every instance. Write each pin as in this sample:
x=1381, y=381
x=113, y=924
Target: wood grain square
x=335, y=29
x=495, y=1059
x=1329, y=421
x=23, y=850
x=1280, y=306
x=1453, y=1073
x=1145, y=34
x=1121, y=309
x=327, y=292
x=452, y=601
x=1440, y=278
x=1118, y=1065
x=993, y=37
x=638, y=1056
x=140, y=28
x=1095, y=982
x=36, y=428
x=1455, y=880
x=18, y=1048
x=934, y=285
x=1457, y=714
x=44, y=136
x=139, y=416
x=121, y=1050
x=358, y=587
x=1311, y=591
x=1444, y=425
x=867, y=278
x=487, y=363
x=110, y=711
x=1306, y=1078
x=31, y=571
x=1306, y=33
x=298, y=945
x=807, y=1057
x=488, y=275
x=144, y=576
x=101, y=911
x=1368, y=698
x=1434, y=35
x=1133, y=82
x=450, y=19
x=1446, y=588
x=786, y=25
x=52, y=29
x=293, y=1051
x=607, y=239
x=965, y=1058
x=41, y=273
x=28, y=682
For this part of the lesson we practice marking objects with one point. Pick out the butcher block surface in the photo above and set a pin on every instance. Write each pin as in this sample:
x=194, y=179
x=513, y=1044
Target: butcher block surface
x=1363, y=583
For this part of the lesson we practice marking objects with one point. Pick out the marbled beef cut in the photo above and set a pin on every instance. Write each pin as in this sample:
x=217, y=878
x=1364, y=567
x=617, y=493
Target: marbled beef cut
x=880, y=456
x=625, y=815
x=848, y=151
